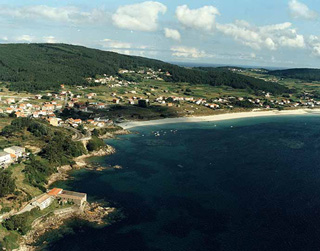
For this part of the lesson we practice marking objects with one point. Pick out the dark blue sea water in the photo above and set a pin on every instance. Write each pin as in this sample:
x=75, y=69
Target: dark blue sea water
x=249, y=184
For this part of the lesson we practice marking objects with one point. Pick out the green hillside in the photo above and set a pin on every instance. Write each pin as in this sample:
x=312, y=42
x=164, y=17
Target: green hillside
x=32, y=67
x=300, y=73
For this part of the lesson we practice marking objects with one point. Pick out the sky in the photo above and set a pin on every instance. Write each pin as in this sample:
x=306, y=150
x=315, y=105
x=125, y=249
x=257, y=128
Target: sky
x=273, y=33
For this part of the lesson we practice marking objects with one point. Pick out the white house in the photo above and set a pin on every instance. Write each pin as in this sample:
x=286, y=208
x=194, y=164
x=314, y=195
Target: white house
x=5, y=158
x=16, y=150
x=43, y=201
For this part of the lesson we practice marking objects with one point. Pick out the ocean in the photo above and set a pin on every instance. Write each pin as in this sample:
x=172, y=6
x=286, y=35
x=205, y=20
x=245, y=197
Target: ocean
x=245, y=184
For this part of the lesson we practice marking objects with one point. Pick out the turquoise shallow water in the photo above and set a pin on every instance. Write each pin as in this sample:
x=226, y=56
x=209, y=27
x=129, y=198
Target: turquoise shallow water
x=249, y=184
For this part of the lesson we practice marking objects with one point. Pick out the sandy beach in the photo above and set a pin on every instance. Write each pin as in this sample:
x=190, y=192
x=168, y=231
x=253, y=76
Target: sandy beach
x=226, y=116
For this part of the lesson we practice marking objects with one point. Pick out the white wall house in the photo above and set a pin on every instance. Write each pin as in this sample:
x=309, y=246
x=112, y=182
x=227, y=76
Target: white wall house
x=16, y=150
x=5, y=158
x=43, y=201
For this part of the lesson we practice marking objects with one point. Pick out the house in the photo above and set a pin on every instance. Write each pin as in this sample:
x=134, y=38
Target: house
x=48, y=107
x=35, y=114
x=55, y=191
x=91, y=95
x=53, y=121
x=10, y=101
x=70, y=104
x=9, y=110
x=20, y=115
x=58, y=106
x=116, y=100
x=83, y=108
x=101, y=105
x=43, y=201
x=5, y=158
x=77, y=121
x=39, y=96
x=69, y=196
x=16, y=150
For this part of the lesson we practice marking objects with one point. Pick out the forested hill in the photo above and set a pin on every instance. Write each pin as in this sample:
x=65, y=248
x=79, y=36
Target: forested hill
x=32, y=67
x=300, y=73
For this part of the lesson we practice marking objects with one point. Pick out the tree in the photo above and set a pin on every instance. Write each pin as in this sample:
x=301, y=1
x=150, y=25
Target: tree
x=7, y=184
x=95, y=144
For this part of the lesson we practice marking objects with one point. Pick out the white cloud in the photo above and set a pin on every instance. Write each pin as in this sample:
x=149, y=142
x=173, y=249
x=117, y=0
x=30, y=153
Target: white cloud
x=270, y=37
x=128, y=48
x=68, y=14
x=108, y=43
x=296, y=42
x=187, y=52
x=50, y=39
x=25, y=38
x=314, y=44
x=141, y=16
x=173, y=34
x=253, y=55
x=300, y=10
x=200, y=19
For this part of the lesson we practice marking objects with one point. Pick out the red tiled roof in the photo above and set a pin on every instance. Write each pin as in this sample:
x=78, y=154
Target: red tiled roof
x=55, y=191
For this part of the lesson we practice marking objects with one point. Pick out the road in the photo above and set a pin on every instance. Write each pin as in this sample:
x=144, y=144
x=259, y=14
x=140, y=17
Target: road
x=78, y=136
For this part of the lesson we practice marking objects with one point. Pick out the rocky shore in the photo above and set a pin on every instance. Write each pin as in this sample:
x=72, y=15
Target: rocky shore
x=112, y=135
x=92, y=212
x=80, y=162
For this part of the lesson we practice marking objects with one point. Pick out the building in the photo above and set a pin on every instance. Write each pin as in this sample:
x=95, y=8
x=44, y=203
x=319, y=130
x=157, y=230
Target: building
x=53, y=121
x=55, y=191
x=5, y=158
x=10, y=101
x=69, y=196
x=16, y=150
x=43, y=201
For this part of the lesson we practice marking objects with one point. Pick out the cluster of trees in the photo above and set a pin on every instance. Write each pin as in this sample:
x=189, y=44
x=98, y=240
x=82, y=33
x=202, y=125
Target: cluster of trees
x=95, y=144
x=37, y=171
x=7, y=183
x=302, y=74
x=60, y=150
x=102, y=131
x=37, y=128
x=68, y=64
x=221, y=76
x=20, y=222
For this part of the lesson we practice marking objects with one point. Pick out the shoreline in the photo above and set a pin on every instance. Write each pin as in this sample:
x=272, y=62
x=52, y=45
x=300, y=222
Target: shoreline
x=58, y=219
x=80, y=163
x=219, y=117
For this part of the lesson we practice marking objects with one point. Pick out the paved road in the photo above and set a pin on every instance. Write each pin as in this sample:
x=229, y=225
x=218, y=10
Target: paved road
x=78, y=136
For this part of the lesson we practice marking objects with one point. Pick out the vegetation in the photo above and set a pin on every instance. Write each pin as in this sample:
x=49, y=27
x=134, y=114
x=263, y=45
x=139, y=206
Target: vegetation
x=37, y=128
x=220, y=76
x=302, y=74
x=95, y=144
x=105, y=130
x=60, y=150
x=20, y=222
x=7, y=184
x=37, y=171
x=67, y=64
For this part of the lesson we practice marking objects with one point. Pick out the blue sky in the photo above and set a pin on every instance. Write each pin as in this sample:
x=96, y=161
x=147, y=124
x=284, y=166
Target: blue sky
x=281, y=33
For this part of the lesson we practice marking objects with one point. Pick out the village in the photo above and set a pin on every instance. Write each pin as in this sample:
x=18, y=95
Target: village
x=151, y=90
